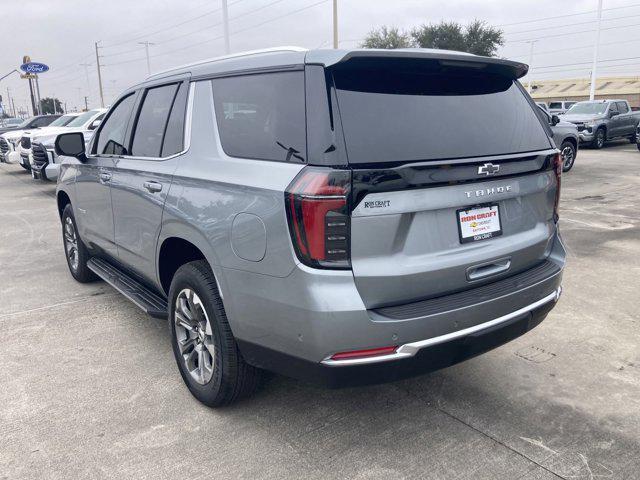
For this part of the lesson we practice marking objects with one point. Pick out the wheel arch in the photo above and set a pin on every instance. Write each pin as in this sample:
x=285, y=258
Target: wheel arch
x=63, y=200
x=179, y=245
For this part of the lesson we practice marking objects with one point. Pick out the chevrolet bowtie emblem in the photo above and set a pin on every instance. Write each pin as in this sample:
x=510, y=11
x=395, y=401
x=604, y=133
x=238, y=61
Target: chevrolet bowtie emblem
x=488, y=169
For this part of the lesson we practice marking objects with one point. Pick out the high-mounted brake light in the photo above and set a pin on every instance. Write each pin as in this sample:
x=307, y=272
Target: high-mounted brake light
x=317, y=211
x=557, y=166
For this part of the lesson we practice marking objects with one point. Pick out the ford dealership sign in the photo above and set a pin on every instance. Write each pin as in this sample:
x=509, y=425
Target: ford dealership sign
x=34, y=67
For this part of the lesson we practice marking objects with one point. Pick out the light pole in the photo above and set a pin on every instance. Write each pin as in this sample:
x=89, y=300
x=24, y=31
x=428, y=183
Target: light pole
x=335, y=24
x=99, y=76
x=146, y=49
x=86, y=72
x=592, y=90
x=225, y=27
x=531, y=44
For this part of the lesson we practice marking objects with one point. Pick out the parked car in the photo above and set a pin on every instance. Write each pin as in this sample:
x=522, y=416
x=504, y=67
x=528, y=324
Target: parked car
x=10, y=136
x=543, y=106
x=33, y=122
x=10, y=122
x=23, y=147
x=340, y=245
x=565, y=136
x=602, y=120
x=44, y=163
x=638, y=137
x=558, y=108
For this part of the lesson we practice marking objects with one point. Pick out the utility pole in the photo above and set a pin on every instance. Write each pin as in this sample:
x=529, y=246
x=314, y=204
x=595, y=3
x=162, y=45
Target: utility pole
x=225, y=27
x=10, y=102
x=146, y=48
x=335, y=24
x=531, y=44
x=99, y=76
x=86, y=104
x=592, y=91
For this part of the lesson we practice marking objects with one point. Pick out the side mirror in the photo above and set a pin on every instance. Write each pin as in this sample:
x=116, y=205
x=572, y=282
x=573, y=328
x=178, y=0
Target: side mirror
x=613, y=114
x=555, y=120
x=71, y=145
x=95, y=124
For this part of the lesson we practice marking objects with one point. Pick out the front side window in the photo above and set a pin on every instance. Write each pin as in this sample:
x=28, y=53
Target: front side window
x=262, y=116
x=152, y=121
x=112, y=135
x=613, y=108
x=622, y=107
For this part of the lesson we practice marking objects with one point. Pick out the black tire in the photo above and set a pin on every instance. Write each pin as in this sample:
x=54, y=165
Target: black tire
x=78, y=269
x=568, y=153
x=638, y=145
x=633, y=138
x=599, y=138
x=231, y=377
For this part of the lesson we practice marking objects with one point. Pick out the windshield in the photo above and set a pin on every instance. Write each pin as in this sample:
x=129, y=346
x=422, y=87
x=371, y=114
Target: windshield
x=26, y=122
x=11, y=122
x=424, y=113
x=62, y=121
x=82, y=119
x=588, y=107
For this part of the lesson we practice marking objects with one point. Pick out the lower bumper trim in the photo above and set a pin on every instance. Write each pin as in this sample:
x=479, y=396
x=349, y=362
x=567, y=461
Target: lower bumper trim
x=410, y=349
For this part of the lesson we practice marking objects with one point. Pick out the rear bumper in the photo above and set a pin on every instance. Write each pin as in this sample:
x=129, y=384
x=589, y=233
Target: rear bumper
x=294, y=325
x=416, y=359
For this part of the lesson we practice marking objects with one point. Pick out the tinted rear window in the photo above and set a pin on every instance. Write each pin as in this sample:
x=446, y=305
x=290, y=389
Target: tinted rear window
x=262, y=116
x=391, y=115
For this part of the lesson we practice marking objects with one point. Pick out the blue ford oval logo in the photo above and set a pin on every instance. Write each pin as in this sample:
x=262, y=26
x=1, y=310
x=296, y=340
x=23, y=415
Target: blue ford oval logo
x=34, y=67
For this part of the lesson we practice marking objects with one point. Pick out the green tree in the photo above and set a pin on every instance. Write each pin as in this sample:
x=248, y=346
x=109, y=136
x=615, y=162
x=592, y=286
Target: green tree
x=387, y=37
x=50, y=105
x=483, y=39
x=478, y=37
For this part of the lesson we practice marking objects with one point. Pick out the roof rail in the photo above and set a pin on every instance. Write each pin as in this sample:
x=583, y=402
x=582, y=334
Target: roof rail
x=233, y=55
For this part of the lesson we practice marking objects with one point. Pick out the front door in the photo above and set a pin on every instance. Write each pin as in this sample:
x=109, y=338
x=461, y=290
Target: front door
x=93, y=180
x=142, y=179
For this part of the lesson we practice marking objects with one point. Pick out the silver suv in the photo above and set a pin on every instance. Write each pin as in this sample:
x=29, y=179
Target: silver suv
x=345, y=217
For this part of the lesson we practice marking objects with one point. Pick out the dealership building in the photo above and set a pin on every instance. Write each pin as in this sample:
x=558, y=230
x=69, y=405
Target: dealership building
x=625, y=88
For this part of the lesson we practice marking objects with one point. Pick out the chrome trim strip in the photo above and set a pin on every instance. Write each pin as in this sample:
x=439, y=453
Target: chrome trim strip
x=410, y=349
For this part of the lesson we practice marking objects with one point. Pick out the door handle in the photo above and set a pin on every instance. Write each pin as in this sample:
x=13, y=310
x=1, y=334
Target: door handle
x=105, y=176
x=153, y=187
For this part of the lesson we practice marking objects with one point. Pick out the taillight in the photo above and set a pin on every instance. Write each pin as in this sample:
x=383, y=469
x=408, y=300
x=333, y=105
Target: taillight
x=557, y=166
x=317, y=210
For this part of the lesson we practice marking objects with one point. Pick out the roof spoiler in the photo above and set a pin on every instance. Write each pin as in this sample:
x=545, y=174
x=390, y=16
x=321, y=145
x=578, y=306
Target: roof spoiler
x=332, y=58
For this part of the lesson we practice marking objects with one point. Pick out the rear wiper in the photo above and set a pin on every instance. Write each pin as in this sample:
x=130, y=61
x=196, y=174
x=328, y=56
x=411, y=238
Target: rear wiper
x=291, y=152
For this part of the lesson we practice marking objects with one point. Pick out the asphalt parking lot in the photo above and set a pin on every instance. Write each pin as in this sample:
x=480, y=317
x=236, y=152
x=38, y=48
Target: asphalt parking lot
x=89, y=387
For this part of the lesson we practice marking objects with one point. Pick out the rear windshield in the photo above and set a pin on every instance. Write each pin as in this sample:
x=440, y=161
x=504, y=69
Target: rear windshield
x=391, y=115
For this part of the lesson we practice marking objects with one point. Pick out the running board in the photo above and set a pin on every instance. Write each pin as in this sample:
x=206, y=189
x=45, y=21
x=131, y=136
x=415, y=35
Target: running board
x=143, y=297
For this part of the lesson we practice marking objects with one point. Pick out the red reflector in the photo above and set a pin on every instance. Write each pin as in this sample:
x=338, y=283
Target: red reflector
x=372, y=352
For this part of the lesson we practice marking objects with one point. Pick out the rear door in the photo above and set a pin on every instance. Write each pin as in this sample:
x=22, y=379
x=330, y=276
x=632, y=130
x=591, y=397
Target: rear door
x=451, y=179
x=142, y=178
x=627, y=124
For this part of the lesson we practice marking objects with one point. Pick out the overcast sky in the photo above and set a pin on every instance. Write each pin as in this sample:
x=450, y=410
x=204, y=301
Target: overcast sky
x=62, y=33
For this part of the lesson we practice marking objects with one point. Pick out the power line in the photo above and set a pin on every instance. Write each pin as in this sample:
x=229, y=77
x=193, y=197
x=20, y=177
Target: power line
x=567, y=15
x=564, y=34
x=221, y=36
x=572, y=25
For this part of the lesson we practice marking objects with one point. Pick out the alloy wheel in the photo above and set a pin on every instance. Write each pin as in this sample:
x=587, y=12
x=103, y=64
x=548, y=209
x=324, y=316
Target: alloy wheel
x=71, y=243
x=568, y=156
x=195, y=336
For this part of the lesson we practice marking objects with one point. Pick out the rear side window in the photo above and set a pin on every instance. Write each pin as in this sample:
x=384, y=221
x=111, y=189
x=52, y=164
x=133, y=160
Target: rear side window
x=262, y=116
x=174, y=136
x=111, y=136
x=152, y=121
x=555, y=105
x=622, y=107
x=424, y=112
